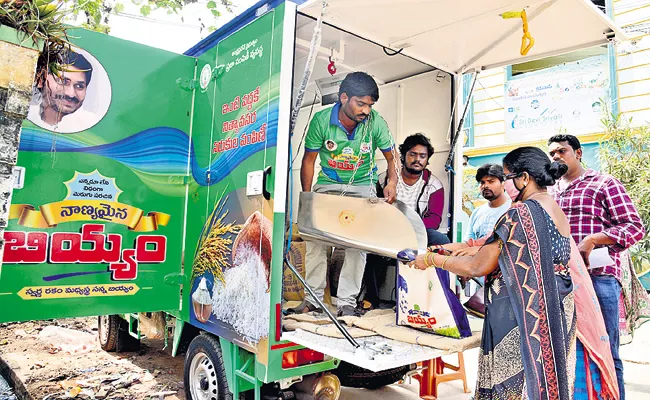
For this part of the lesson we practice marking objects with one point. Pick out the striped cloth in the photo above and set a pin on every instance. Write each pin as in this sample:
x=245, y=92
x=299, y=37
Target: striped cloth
x=586, y=387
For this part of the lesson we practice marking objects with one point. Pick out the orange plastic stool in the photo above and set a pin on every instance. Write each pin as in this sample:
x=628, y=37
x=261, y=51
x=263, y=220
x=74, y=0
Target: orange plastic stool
x=433, y=373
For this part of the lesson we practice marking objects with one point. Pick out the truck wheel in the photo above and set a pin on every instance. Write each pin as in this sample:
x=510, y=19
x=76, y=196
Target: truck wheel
x=108, y=329
x=205, y=372
x=357, y=377
x=114, y=334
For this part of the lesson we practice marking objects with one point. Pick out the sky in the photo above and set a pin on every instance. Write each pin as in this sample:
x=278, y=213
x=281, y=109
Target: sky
x=175, y=32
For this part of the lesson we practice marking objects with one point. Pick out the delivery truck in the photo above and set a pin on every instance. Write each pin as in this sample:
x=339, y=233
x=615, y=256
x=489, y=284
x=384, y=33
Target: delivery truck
x=163, y=197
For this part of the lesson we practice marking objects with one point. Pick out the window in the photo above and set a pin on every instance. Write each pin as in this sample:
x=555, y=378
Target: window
x=524, y=69
x=518, y=70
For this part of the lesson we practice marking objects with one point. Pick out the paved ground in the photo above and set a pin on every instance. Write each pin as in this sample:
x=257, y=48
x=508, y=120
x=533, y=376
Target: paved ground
x=636, y=357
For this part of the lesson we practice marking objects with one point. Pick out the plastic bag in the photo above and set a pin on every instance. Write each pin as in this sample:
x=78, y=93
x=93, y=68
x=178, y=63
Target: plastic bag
x=426, y=302
x=68, y=340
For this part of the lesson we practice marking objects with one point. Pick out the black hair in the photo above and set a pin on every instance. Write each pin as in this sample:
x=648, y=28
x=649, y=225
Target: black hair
x=80, y=62
x=412, y=141
x=572, y=140
x=494, y=170
x=359, y=84
x=534, y=161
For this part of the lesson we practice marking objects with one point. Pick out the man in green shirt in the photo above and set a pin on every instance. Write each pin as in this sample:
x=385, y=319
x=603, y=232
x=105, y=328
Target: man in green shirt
x=346, y=137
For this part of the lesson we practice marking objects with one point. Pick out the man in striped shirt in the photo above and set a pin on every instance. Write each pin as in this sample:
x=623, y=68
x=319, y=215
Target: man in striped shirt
x=601, y=214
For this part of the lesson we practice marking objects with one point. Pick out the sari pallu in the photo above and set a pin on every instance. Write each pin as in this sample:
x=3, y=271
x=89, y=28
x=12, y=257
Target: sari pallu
x=595, y=372
x=528, y=343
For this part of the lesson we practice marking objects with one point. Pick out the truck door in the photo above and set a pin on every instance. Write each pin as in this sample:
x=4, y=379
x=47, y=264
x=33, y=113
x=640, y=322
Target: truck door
x=236, y=130
x=97, y=210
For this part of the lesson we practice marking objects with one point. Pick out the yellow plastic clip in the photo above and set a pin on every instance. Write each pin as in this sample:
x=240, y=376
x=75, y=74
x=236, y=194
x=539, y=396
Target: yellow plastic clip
x=511, y=14
x=527, y=41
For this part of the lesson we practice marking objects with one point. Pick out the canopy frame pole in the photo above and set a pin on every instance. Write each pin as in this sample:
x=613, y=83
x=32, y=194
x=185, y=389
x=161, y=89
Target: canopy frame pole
x=459, y=128
x=322, y=305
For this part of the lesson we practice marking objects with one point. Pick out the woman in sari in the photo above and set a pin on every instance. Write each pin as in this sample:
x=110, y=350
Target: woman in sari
x=529, y=334
x=595, y=372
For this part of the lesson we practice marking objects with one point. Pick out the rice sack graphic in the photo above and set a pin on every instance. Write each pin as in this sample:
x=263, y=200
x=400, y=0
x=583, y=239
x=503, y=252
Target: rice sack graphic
x=239, y=278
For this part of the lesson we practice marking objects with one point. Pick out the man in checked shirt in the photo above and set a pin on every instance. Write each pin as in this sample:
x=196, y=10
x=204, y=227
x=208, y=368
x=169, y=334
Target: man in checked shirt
x=600, y=213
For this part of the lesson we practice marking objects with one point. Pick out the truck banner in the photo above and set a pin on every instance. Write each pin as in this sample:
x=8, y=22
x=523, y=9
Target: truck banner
x=96, y=221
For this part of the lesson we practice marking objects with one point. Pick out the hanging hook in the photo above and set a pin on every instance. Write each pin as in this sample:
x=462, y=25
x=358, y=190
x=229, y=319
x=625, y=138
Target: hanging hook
x=331, y=68
x=525, y=47
x=527, y=40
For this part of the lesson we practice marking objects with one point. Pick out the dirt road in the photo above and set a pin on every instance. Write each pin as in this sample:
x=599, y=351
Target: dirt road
x=69, y=371
x=54, y=367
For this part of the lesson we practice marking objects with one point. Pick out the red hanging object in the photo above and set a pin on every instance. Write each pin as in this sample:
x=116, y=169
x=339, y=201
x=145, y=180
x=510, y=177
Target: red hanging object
x=331, y=68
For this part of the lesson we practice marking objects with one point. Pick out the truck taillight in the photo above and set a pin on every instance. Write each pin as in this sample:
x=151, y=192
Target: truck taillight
x=297, y=358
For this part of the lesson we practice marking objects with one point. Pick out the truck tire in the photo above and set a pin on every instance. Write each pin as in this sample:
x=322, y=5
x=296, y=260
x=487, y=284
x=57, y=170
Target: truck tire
x=114, y=335
x=205, y=373
x=108, y=330
x=357, y=377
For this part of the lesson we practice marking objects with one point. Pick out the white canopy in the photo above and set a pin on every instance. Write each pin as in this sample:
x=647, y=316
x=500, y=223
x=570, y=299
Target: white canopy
x=467, y=35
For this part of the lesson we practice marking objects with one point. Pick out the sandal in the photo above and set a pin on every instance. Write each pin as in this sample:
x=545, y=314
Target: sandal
x=303, y=308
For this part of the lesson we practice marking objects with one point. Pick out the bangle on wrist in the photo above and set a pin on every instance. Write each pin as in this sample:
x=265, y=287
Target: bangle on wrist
x=444, y=262
x=429, y=260
x=433, y=260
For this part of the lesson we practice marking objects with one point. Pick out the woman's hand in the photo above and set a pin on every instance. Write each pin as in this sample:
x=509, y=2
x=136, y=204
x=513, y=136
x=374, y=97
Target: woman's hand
x=451, y=246
x=420, y=262
x=466, y=252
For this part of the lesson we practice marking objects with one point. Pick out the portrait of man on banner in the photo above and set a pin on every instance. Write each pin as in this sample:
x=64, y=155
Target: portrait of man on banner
x=75, y=100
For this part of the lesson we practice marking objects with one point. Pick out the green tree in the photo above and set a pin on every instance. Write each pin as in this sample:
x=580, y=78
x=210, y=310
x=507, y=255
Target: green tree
x=623, y=153
x=97, y=13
